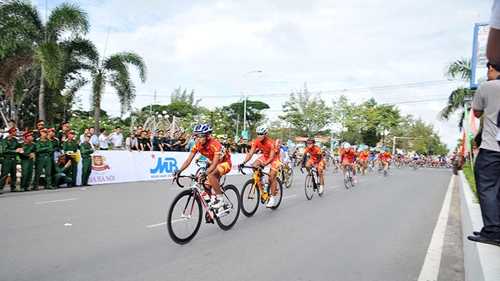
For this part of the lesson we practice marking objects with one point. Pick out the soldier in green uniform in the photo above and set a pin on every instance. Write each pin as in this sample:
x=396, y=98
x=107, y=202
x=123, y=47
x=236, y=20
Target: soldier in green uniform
x=157, y=141
x=175, y=141
x=165, y=141
x=27, y=161
x=144, y=142
x=70, y=148
x=86, y=150
x=62, y=167
x=39, y=125
x=43, y=160
x=56, y=147
x=62, y=134
x=10, y=148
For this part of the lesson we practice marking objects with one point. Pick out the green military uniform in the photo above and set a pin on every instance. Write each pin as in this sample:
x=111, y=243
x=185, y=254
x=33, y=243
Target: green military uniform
x=86, y=150
x=70, y=145
x=156, y=143
x=43, y=161
x=9, y=162
x=27, y=164
x=56, y=147
x=60, y=176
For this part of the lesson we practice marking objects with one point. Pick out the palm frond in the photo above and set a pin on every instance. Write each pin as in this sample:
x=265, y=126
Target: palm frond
x=460, y=69
x=67, y=18
x=50, y=55
x=457, y=100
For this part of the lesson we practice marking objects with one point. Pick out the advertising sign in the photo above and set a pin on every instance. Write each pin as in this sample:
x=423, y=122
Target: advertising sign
x=479, y=60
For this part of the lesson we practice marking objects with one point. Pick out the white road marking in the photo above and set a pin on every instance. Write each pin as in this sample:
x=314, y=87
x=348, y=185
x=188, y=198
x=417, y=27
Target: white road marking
x=288, y=196
x=57, y=201
x=334, y=186
x=430, y=269
x=158, y=224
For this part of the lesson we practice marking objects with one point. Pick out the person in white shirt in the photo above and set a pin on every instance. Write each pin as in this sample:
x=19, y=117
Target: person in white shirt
x=103, y=140
x=131, y=142
x=11, y=123
x=116, y=139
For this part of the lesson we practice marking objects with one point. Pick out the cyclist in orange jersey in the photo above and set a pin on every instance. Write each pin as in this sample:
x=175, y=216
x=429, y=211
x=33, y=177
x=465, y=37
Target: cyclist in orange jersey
x=363, y=156
x=348, y=157
x=218, y=155
x=315, y=152
x=269, y=157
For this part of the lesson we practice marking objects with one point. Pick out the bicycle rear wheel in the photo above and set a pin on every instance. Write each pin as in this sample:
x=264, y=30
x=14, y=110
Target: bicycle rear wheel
x=279, y=194
x=347, y=178
x=250, y=197
x=309, y=187
x=232, y=203
x=184, y=217
x=289, y=178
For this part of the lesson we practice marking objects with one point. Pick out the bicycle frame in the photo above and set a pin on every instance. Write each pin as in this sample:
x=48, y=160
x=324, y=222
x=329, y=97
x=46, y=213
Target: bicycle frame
x=196, y=187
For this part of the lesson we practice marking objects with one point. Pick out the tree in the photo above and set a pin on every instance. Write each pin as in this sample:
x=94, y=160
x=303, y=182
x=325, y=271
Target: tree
x=113, y=70
x=342, y=113
x=308, y=114
x=460, y=97
x=21, y=19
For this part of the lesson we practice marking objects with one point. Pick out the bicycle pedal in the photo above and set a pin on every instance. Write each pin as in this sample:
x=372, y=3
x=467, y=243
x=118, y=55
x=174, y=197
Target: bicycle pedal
x=209, y=221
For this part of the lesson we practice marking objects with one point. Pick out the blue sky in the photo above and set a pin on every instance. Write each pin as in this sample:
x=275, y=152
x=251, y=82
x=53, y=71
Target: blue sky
x=332, y=45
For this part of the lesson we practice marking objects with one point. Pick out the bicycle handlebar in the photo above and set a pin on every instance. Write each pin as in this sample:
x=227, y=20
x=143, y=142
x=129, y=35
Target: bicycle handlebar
x=307, y=167
x=193, y=177
x=240, y=169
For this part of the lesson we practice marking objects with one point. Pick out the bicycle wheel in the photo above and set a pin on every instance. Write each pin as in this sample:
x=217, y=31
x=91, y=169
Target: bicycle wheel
x=289, y=178
x=347, y=177
x=279, y=194
x=309, y=187
x=232, y=202
x=250, y=197
x=184, y=217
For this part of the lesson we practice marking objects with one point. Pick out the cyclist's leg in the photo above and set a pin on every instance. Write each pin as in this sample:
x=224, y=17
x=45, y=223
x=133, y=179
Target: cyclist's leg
x=321, y=166
x=274, y=165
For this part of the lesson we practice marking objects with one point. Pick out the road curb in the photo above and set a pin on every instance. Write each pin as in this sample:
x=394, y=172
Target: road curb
x=481, y=262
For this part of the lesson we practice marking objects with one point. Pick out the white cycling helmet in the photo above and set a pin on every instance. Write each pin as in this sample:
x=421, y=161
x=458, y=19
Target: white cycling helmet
x=347, y=146
x=261, y=130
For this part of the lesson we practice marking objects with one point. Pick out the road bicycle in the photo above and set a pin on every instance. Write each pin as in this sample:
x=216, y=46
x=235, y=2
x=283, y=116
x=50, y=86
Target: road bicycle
x=336, y=166
x=311, y=182
x=256, y=190
x=285, y=174
x=383, y=167
x=205, y=164
x=186, y=211
x=348, y=176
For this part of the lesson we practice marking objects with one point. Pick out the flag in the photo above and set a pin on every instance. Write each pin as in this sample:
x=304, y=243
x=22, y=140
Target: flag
x=466, y=131
x=472, y=125
x=462, y=148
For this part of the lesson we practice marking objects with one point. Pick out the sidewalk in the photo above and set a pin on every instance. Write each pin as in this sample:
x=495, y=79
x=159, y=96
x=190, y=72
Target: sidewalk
x=481, y=261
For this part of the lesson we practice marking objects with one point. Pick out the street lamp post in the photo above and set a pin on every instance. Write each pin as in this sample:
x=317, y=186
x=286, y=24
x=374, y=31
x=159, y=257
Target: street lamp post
x=212, y=116
x=245, y=101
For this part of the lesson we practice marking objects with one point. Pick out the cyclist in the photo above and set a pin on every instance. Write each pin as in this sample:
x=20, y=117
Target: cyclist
x=282, y=152
x=416, y=160
x=385, y=157
x=364, y=155
x=316, y=154
x=268, y=148
x=219, y=156
x=348, y=157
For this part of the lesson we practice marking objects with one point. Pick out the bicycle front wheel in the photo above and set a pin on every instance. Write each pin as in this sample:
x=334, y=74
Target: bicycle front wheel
x=231, y=197
x=184, y=217
x=250, y=197
x=309, y=187
x=289, y=178
x=347, y=178
x=279, y=194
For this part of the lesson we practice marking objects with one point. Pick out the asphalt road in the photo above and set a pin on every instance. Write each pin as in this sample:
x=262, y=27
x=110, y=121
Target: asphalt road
x=379, y=229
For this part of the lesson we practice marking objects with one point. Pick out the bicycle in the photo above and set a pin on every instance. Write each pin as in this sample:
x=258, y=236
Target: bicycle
x=385, y=168
x=348, y=176
x=252, y=190
x=285, y=174
x=202, y=169
x=312, y=182
x=185, y=212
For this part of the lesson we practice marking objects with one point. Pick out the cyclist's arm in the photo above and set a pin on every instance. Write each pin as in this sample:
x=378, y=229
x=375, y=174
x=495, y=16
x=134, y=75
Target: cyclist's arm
x=249, y=155
x=187, y=162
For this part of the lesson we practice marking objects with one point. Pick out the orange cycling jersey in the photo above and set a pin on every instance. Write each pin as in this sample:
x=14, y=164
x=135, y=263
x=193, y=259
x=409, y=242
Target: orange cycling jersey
x=265, y=147
x=385, y=156
x=212, y=148
x=364, y=154
x=348, y=155
x=315, y=153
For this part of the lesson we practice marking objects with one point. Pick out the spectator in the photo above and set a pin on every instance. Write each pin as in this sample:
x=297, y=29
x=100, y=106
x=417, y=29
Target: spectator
x=82, y=136
x=131, y=142
x=103, y=140
x=191, y=142
x=10, y=124
x=94, y=140
x=116, y=139
x=487, y=168
x=493, y=45
x=144, y=142
x=166, y=141
x=157, y=141
x=295, y=156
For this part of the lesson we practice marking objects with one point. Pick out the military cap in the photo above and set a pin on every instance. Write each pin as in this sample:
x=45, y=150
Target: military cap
x=40, y=123
x=28, y=133
x=51, y=129
x=12, y=129
x=71, y=131
x=88, y=134
x=43, y=130
x=64, y=124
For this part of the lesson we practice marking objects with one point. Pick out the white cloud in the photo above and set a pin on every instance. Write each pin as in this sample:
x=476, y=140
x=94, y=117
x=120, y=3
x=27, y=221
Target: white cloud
x=331, y=45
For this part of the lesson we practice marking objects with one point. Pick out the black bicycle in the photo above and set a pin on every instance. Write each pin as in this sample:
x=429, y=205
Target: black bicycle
x=186, y=211
x=348, y=176
x=311, y=182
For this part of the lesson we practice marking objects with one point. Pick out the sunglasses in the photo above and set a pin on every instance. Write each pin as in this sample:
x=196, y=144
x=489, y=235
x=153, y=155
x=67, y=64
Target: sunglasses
x=201, y=136
x=260, y=134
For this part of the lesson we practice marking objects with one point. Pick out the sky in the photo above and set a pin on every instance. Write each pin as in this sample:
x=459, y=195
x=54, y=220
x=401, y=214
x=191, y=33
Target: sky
x=393, y=51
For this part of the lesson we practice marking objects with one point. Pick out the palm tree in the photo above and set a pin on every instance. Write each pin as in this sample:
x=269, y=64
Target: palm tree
x=113, y=70
x=460, y=97
x=21, y=19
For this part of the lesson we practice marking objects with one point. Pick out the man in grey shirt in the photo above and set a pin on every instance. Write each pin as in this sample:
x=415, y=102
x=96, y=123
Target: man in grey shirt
x=116, y=139
x=131, y=142
x=487, y=167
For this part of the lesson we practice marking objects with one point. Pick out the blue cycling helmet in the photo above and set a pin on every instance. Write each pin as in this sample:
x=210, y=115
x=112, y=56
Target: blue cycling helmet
x=206, y=129
x=197, y=128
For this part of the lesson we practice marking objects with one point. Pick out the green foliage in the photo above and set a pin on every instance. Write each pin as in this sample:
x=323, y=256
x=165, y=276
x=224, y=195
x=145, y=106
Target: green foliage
x=469, y=175
x=308, y=114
